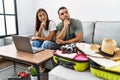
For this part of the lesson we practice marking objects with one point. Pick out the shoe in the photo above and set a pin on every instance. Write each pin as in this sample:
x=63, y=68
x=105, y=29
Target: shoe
x=42, y=70
x=47, y=70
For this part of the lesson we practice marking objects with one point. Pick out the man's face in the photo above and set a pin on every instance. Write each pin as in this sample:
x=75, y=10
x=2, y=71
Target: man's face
x=64, y=14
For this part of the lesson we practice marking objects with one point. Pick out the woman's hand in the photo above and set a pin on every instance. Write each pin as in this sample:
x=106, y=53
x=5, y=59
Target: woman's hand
x=35, y=38
x=43, y=24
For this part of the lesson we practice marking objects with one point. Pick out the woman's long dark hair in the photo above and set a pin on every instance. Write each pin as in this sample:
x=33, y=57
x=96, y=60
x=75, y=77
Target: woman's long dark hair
x=38, y=23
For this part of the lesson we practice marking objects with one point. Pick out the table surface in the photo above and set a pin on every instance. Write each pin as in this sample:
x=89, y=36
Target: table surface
x=10, y=51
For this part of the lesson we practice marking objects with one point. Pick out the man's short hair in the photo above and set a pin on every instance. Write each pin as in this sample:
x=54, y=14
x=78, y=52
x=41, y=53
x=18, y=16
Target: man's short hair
x=61, y=8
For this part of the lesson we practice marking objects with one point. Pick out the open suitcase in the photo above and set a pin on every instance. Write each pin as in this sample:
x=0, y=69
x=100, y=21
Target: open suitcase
x=106, y=74
x=78, y=62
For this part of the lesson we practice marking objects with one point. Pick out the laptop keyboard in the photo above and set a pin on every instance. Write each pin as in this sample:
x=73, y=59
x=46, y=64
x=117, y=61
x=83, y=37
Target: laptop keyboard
x=37, y=49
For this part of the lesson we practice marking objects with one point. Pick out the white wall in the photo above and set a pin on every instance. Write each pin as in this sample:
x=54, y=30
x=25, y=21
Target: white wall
x=85, y=10
x=25, y=12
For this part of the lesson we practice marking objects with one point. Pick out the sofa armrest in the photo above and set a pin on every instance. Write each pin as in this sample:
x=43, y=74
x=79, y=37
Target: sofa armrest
x=8, y=40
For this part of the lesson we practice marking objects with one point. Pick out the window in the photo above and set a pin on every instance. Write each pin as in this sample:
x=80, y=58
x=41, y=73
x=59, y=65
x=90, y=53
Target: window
x=8, y=18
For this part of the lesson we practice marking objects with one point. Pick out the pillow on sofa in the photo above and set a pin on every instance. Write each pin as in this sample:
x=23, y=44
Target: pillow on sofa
x=88, y=28
x=107, y=29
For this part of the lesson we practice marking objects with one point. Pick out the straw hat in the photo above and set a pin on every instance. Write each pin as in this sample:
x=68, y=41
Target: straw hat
x=107, y=49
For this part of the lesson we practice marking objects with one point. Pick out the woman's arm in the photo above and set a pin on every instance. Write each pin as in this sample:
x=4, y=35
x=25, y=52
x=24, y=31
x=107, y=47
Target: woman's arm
x=39, y=33
x=50, y=36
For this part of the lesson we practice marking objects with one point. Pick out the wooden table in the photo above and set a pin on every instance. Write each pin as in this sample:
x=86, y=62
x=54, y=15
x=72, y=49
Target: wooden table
x=36, y=59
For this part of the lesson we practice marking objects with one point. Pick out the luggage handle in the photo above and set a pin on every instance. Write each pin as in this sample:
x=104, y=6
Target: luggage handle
x=65, y=63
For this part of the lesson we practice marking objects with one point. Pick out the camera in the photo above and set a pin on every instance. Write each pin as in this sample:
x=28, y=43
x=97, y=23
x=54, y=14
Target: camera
x=68, y=48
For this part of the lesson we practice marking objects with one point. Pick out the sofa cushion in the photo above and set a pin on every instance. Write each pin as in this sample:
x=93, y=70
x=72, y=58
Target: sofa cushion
x=107, y=29
x=88, y=28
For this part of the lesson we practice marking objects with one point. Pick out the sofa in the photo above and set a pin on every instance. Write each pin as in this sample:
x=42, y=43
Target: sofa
x=94, y=33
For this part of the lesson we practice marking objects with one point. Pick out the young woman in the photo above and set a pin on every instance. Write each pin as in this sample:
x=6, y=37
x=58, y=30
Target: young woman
x=45, y=30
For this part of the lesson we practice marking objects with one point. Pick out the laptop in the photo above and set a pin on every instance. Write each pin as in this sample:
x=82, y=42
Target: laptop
x=22, y=43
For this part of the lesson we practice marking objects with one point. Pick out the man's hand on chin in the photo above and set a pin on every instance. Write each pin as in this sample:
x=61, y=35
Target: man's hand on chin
x=66, y=22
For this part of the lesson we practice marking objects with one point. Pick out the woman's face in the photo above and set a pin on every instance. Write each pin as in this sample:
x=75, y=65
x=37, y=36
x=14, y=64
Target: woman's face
x=42, y=16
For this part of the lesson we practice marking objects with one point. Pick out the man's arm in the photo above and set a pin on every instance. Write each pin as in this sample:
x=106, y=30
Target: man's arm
x=62, y=34
x=78, y=38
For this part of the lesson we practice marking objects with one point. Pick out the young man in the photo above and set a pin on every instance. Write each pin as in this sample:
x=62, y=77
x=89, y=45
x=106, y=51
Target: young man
x=69, y=30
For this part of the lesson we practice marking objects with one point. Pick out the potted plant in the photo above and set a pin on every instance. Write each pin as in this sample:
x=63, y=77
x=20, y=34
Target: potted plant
x=33, y=72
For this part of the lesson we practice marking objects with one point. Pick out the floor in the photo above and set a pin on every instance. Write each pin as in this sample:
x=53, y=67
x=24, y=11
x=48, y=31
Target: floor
x=6, y=63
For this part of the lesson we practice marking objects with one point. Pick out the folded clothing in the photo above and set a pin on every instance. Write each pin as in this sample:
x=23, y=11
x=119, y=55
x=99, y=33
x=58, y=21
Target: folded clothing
x=76, y=61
